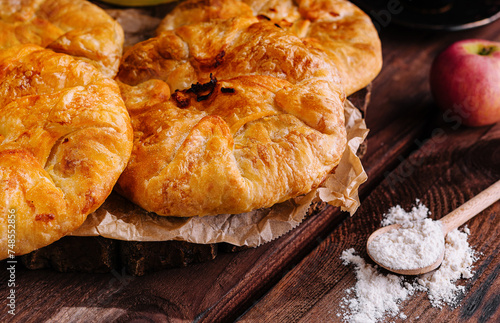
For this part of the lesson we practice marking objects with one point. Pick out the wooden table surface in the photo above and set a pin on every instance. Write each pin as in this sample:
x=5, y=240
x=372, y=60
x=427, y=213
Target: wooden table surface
x=412, y=153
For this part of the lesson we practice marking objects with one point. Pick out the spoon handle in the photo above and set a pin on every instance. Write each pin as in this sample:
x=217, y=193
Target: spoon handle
x=472, y=207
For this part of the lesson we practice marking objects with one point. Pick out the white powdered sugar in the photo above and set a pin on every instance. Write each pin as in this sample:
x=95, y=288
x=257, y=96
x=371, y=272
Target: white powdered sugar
x=377, y=295
x=414, y=245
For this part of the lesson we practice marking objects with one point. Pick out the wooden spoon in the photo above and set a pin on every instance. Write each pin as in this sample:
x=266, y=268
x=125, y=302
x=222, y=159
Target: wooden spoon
x=448, y=223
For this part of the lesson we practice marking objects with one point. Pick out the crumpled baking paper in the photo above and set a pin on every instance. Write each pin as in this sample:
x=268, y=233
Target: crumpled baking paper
x=120, y=219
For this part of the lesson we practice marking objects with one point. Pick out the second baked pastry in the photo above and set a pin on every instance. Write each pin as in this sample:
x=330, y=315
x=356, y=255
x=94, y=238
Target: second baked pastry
x=229, y=116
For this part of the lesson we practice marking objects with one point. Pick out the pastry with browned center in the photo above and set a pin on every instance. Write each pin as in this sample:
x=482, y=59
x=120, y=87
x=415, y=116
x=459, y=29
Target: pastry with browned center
x=338, y=27
x=75, y=27
x=229, y=116
x=65, y=138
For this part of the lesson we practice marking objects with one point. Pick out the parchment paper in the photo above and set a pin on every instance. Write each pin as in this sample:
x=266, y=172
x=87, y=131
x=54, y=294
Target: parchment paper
x=119, y=219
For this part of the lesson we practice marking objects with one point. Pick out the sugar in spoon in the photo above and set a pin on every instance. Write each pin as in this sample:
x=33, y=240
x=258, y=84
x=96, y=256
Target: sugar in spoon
x=446, y=224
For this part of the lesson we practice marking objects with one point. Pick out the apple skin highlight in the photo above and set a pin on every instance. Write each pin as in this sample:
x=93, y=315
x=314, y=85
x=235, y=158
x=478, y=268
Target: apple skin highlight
x=465, y=81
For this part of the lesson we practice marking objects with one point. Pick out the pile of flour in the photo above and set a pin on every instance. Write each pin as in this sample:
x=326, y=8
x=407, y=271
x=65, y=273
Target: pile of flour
x=416, y=244
x=377, y=295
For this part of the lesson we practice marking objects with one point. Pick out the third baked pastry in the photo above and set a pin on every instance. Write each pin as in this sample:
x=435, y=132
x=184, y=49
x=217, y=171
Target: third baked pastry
x=338, y=27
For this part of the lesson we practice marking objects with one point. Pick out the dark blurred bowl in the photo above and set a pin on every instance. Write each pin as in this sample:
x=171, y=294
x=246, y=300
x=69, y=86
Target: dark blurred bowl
x=431, y=14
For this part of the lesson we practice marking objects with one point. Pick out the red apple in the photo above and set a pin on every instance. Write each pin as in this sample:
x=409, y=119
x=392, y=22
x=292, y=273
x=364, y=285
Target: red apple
x=465, y=81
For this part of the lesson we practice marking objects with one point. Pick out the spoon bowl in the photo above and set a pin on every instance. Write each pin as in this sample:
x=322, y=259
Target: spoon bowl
x=448, y=223
x=413, y=271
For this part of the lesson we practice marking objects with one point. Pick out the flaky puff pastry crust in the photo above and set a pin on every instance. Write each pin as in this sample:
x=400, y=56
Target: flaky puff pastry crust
x=65, y=137
x=269, y=129
x=338, y=27
x=75, y=27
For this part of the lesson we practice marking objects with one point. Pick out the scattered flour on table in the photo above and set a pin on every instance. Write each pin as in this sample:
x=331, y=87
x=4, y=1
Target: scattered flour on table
x=377, y=295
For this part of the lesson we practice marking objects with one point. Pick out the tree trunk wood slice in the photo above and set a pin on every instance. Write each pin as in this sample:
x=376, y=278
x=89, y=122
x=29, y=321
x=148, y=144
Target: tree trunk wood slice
x=98, y=254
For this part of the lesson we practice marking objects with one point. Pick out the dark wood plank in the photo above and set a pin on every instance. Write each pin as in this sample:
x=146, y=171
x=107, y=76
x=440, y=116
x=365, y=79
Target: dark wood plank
x=443, y=174
x=224, y=288
x=401, y=94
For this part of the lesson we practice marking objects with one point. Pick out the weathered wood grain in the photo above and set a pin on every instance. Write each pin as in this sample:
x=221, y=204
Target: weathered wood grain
x=447, y=171
x=401, y=105
x=299, y=276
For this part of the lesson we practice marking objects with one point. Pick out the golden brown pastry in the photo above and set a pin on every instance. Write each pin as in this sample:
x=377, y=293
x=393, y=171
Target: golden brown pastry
x=229, y=116
x=74, y=27
x=195, y=11
x=65, y=137
x=338, y=27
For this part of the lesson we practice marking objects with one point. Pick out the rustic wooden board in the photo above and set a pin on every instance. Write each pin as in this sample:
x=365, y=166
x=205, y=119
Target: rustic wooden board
x=400, y=116
x=447, y=171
